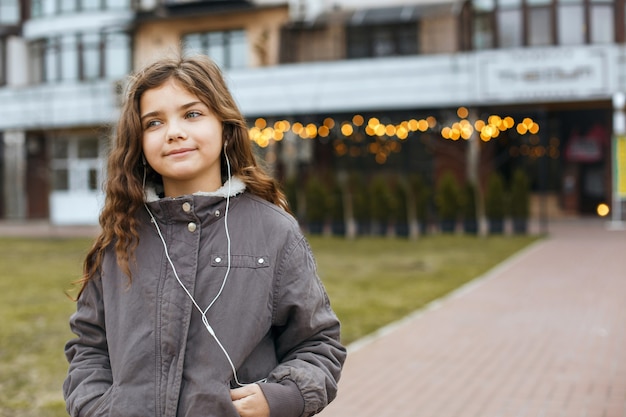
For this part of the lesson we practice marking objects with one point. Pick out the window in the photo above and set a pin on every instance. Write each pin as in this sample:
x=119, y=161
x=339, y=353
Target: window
x=229, y=49
x=75, y=164
x=601, y=22
x=3, y=57
x=382, y=40
x=41, y=8
x=571, y=18
x=86, y=56
x=542, y=22
x=510, y=24
x=9, y=12
x=483, y=33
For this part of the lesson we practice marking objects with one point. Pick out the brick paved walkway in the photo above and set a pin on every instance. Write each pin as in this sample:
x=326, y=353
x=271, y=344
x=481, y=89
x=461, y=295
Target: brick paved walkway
x=542, y=335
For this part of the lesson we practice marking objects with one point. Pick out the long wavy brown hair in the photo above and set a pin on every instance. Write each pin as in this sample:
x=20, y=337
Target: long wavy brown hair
x=124, y=186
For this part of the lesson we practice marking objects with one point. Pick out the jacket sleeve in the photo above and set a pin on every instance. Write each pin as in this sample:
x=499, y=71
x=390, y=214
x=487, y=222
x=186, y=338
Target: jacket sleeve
x=307, y=336
x=89, y=378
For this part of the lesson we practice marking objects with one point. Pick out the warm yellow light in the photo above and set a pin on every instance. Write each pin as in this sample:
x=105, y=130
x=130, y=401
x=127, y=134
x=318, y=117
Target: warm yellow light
x=603, y=210
x=370, y=131
x=466, y=132
x=422, y=125
x=521, y=129
x=432, y=122
x=402, y=133
x=311, y=130
x=262, y=141
x=528, y=122
x=373, y=122
x=479, y=125
x=297, y=128
x=462, y=112
x=455, y=134
x=380, y=130
x=260, y=123
x=329, y=122
x=485, y=137
x=413, y=125
x=390, y=130
x=323, y=131
x=346, y=129
x=381, y=158
x=358, y=120
x=445, y=132
x=534, y=128
x=509, y=122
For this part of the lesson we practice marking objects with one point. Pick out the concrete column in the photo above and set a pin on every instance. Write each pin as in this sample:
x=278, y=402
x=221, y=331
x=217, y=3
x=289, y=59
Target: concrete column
x=15, y=174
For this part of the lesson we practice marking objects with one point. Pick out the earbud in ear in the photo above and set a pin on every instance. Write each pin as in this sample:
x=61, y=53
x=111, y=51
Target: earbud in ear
x=143, y=160
x=225, y=144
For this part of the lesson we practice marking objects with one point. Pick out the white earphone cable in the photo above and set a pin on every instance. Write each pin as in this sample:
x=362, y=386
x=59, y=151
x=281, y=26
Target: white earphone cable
x=204, y=312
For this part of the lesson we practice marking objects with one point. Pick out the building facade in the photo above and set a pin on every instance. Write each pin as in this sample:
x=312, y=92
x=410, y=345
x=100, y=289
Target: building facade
x=334, y=87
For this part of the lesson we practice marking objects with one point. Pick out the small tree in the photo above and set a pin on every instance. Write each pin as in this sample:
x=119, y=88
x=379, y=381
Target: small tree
x=383, y=203
x=520, y=201
x=495, y=203
x=316, y=205
x=468, y=208
x=447, y=201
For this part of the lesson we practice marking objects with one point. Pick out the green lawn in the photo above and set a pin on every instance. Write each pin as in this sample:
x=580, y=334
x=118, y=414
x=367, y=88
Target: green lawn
x=371, y=282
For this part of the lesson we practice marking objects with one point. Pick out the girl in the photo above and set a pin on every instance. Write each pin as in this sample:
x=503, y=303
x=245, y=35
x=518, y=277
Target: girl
x=200, y=296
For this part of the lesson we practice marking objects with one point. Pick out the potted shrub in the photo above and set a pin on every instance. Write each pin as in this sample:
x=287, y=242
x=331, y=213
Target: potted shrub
x=520, y=201
x=468, y=209
x=316, y=205
x=447, y=202
x=495, y=203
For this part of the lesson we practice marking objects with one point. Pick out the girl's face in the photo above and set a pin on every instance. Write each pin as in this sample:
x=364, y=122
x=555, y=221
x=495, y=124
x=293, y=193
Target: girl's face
x=182, y=139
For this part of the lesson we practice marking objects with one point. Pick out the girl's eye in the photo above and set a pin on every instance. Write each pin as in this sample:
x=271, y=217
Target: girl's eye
x=193, y=114
x=152, y=123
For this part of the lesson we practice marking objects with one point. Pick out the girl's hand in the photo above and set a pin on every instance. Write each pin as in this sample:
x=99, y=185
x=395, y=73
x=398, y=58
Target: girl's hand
x=250, y=401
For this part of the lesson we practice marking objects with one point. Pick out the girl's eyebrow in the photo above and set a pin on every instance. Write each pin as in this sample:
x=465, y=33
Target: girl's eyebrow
x=183, y=107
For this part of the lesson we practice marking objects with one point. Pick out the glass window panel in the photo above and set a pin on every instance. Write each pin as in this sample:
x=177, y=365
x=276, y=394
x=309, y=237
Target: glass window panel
x=67, y=5
x=538, y=2
x=88, y=148
x=93, y=180
x=117, y=55
x=539, y=32
x=193, y=44
x=49, y=7
x=35, y=69
x=36, y=8
x=407, y=40
x=510, y=28
x=60, y=149
x=483, y=5
x=358, y=45
x=216, y=48
x=118, y=4
x=51, y=60
x=383, y=43
x=60, y=179
x=90, y=4
x=602, y=30
x=483, y=32
x=509, y=4
x=69, y=58
x=571, y=24
x=91, y=56
x=9, y=12
x=238, y=49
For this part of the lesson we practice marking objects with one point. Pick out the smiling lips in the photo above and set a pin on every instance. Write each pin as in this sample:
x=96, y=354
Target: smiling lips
x=180, y=151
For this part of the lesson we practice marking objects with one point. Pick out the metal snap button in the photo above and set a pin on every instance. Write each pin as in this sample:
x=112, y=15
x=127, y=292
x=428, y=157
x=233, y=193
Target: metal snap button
x=186, y=207
x=217, y=213
x=192, y=227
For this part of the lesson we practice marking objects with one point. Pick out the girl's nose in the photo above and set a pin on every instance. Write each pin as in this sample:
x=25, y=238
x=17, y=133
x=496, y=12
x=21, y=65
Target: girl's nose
x=175, y=132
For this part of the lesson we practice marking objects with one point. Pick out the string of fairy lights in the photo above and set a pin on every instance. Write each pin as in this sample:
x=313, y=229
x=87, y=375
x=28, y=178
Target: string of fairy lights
x=387, y=138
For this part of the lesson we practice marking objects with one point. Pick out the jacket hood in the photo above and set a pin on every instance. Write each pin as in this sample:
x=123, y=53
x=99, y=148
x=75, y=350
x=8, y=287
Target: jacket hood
x=231, y=188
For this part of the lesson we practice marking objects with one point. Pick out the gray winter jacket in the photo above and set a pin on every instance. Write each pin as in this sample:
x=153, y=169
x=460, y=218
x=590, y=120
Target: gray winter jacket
x=142, y=349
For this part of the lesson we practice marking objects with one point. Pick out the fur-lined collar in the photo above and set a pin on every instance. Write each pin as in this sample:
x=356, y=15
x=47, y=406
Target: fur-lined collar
x=235, y=185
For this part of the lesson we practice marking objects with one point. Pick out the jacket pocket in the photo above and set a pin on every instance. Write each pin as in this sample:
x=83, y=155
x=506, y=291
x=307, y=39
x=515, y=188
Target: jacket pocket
x=240, y=261
x=102, y=407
